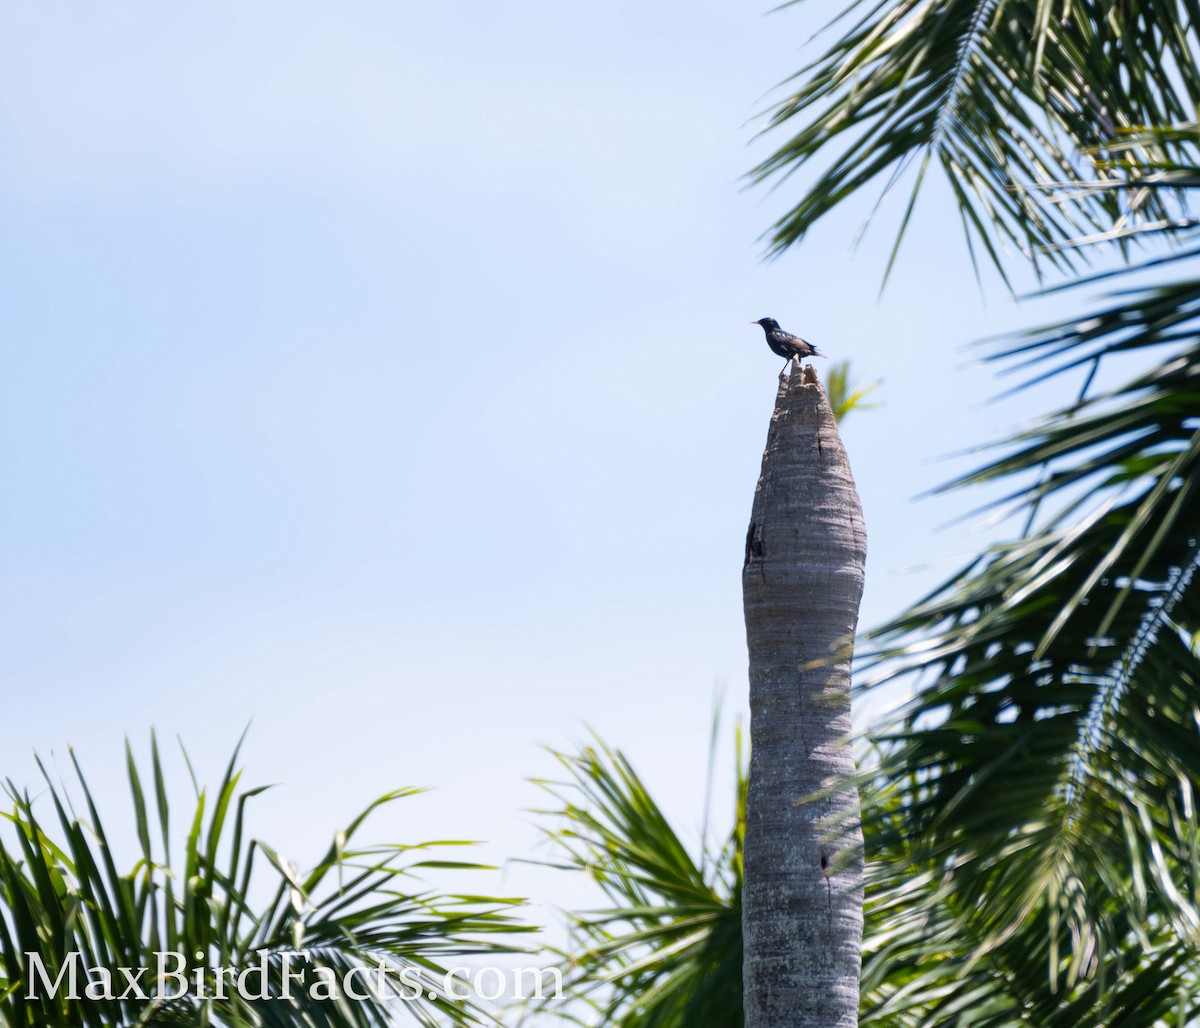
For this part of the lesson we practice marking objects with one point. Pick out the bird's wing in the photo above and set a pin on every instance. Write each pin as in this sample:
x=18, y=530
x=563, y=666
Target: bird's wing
x=796, y=341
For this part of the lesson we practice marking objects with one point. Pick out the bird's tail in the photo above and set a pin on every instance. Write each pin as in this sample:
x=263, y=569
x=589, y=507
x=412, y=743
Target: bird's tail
x=818, y=353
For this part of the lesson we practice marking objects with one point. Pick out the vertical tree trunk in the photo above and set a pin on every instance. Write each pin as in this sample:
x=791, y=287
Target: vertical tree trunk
x=801, y=583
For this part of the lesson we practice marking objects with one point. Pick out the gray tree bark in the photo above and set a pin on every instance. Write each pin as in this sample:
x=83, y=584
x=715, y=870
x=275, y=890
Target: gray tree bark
x=802, y=583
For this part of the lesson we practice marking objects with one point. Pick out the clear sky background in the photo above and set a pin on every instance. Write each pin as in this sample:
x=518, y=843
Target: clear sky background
x=381, y=373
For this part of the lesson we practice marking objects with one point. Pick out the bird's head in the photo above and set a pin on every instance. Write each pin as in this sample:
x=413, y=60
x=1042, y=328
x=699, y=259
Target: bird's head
x=767, y=323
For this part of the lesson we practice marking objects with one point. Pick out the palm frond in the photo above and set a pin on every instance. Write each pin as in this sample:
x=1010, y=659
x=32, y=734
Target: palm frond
x=1083, y=952
x=213, y=898
x=1009, y=99
x=1046, y=764
x=845, y=395
x=666, y=952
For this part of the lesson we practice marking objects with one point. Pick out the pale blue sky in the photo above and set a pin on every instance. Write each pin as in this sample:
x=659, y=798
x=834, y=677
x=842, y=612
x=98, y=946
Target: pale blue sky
x=382, y=373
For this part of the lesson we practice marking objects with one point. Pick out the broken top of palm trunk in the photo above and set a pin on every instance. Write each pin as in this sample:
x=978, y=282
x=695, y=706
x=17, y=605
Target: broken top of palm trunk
x=802, y=583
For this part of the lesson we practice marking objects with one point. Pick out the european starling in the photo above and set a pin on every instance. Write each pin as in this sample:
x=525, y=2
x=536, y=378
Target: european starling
x=784, y=343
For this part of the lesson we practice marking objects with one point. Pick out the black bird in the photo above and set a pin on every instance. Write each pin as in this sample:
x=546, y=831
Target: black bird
x=784, y=343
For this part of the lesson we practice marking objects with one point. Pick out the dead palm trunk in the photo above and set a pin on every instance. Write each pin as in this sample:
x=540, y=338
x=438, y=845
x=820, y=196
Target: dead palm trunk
x=802, y=582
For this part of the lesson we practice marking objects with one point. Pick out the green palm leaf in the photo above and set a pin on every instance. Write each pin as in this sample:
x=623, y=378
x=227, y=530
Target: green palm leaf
x=1008, y=98
x=666, y=950
x=221, y=900
x=844, y=394
x=1047, y=763
x=1031, y=828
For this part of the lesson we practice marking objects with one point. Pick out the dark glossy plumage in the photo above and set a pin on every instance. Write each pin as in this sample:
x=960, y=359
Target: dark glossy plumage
x=784, y=343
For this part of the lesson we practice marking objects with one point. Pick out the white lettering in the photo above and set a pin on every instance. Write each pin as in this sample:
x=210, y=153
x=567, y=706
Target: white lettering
x=259, y=969
x=176, y=975
x=132, y=976
x=448, y=982
x=99, y=984
x=479, y=983
x=325, y=987
x=38, y=970
x=539, y=975
x=348, y=983
x=289, y=975
x=410, y=978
